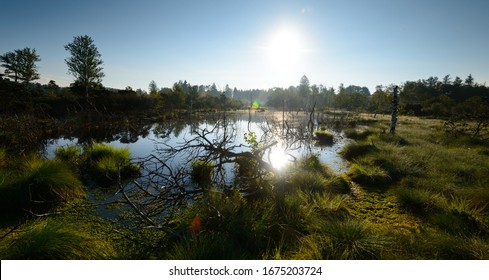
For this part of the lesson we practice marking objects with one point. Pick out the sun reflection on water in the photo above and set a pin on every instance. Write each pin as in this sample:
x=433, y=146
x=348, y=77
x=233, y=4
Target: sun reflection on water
x=278, y=157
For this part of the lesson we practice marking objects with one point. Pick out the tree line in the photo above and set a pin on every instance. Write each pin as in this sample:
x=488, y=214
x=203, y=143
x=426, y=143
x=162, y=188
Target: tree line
x=425, y=97
x=433, y=96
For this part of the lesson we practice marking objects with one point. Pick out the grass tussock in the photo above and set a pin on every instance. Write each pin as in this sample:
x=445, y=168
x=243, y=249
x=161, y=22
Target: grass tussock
x=202, y=173
x=437, y=246
x=235, y=227
x=324, y=137
x=356, y=150
x=311, y=175
x=347, y=239
x=418, y=202
x=106, y=163
x=54, y=240
x=312, y=163
x=368, y=175
x=357, y=134
x=70, y=154
x=101, y=163
x=40, y=186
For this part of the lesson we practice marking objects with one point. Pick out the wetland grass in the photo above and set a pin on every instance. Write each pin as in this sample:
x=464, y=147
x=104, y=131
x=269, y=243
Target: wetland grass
x=324, y=137
x=417, y=195
x=40, y=186
x=51, y=239
x=106, y=163
x=436, y=180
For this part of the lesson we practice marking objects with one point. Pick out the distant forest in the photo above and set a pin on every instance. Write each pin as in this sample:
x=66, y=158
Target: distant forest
x=426, y=97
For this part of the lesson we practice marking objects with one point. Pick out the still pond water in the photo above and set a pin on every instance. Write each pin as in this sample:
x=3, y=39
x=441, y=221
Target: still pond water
x=287, y=136
x=149, y=138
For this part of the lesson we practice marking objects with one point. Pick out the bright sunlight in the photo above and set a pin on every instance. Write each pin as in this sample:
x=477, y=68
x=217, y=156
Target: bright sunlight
x=285, y=47
x=278, y=158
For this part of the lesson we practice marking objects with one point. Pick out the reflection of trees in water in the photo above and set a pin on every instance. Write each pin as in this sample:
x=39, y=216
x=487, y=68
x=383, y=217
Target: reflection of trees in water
x=125, y=131
x=167, y=185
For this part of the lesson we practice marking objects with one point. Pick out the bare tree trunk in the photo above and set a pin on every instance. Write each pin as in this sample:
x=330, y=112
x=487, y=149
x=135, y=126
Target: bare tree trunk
x=394, y=111
x=310, y=124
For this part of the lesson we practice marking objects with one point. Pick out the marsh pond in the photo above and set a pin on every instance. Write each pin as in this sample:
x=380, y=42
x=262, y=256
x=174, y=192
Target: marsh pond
x=179, y=158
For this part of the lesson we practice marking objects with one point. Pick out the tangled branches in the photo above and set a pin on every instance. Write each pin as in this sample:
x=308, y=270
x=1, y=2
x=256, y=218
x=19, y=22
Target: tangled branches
x=169, y=182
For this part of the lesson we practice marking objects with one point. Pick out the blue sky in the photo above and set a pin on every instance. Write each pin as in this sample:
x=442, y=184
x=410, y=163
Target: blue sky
x=257, y=44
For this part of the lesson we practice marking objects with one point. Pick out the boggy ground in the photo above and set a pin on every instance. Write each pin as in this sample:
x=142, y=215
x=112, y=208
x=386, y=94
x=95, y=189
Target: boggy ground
x=420, y=194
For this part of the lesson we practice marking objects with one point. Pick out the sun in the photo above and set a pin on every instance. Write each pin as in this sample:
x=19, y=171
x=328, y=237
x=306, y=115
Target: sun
x=284, y=47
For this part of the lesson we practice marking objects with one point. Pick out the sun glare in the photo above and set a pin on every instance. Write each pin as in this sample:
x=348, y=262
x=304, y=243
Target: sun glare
x=284, y=48
x=278, y=158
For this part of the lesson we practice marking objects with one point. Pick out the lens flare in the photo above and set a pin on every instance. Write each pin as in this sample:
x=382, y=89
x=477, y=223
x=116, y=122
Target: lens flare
x=255, y=104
